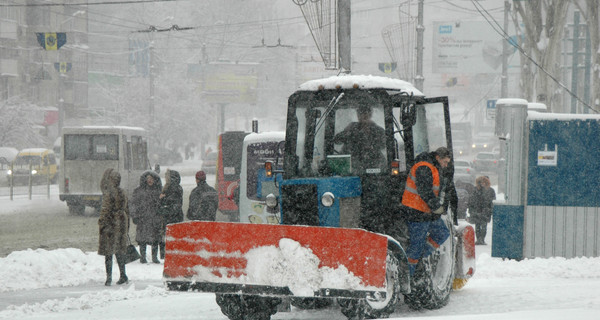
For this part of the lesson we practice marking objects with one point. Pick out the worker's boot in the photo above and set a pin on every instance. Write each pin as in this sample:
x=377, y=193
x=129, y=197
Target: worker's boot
x=108, y=264
x=155, y=253
x=430, y=247
x=143, y=253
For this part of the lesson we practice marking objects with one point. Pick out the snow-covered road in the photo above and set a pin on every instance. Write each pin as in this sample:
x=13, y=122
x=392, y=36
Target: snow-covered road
x=68, y=284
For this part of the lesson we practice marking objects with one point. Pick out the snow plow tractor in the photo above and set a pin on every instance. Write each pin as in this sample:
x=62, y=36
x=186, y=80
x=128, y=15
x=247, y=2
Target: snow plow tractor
x=349, y=143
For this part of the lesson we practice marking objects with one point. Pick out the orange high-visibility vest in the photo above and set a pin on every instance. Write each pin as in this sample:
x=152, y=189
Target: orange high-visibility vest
x=411, y=197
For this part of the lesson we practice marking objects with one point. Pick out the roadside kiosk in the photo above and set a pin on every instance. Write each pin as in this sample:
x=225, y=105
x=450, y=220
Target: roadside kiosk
x=551, y=180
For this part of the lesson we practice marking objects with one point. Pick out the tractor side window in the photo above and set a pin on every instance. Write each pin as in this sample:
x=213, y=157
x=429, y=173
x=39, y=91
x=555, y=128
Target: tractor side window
x=300, y=137
x=399, y=152
x=430, y=128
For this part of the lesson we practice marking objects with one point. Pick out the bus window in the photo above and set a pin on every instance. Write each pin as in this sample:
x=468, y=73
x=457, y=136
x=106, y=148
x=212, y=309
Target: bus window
x=91, y=147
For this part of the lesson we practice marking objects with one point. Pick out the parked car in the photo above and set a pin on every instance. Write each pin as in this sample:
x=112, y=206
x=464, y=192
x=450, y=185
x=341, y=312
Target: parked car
x=42, y=163
x=464, y=171
x=7, y=155
x=486, y=161
x=209, y=164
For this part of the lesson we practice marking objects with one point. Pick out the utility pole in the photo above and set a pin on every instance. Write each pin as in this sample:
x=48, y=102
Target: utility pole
x=344, y=36
x=419, y=78
x=151, y=84
x=504, y=82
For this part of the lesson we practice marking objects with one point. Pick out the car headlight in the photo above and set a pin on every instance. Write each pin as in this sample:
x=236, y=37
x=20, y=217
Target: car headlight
x=9, y=172
x=271, y=200
x=33, y=171
x=327, y=199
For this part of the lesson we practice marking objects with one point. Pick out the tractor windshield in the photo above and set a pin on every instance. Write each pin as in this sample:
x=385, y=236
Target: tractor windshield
x=341, y=134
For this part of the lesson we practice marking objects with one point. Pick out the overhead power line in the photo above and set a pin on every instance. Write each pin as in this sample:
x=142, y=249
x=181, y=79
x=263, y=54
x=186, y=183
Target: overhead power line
x=498, y=29
x=82, y=3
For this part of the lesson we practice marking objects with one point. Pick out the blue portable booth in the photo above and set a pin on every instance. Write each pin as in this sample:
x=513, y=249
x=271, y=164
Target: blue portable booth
x=551, y=179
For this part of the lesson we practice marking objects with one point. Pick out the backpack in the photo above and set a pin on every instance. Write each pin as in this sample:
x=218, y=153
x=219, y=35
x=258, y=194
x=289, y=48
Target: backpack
x=208, y=205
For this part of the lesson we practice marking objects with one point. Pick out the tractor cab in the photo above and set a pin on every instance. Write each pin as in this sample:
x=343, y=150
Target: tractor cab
x=352, y=139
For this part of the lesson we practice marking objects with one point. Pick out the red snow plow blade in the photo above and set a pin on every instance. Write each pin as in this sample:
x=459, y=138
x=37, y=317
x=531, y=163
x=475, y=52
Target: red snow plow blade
x=265, y=259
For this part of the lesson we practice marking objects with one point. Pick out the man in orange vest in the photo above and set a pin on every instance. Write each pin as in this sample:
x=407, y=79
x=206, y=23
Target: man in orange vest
x=423, y=200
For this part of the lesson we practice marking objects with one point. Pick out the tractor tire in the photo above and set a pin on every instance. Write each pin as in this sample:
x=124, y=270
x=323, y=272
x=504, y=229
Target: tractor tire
x=376, y=309
x=311, y=303
x=353, y=309
x=434, y=276
x=247, y=307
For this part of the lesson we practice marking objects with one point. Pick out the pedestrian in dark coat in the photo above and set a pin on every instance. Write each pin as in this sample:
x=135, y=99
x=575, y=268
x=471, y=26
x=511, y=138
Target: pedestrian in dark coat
x=144, y=212
x=113, y=225
x=203, y=200
x=171, y=201
x=481, y=207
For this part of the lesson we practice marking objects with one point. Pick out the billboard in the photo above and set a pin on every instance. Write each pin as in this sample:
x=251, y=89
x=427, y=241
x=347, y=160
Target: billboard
x=226, y=82
x=470, y=47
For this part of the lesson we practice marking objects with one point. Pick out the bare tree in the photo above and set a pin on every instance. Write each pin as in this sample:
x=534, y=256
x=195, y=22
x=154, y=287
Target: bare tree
x=543, y=21
x=18, y=123
x=590, y=9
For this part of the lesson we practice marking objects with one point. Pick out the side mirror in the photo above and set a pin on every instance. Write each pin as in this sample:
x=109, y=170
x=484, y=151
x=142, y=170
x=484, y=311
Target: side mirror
x=157, y=168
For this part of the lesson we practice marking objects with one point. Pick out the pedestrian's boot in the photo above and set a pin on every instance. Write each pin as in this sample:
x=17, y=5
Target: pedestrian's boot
x=143, y=253
x=155, y=253
x=123, y=276
x=108, y=264
x=162, y=250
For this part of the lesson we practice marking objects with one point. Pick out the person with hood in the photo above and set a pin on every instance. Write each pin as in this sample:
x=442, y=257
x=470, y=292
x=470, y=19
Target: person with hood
x=144, y=206
x=171, y=201
x=113, y=225
x=481, y=207
x=203, y=200
x=423, y=202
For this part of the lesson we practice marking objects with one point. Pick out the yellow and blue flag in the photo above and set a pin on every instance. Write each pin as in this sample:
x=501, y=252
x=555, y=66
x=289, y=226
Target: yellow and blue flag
x=51, y=40
x=62, y=67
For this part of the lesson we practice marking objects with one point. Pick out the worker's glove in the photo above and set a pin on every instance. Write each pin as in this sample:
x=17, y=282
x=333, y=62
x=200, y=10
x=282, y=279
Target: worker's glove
x=439, y=210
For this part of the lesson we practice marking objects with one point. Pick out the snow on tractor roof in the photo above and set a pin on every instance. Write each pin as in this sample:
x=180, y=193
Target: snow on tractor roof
x=363, y=82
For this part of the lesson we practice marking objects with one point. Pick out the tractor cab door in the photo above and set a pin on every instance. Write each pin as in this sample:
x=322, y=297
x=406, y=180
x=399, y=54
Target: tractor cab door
x=426, y=124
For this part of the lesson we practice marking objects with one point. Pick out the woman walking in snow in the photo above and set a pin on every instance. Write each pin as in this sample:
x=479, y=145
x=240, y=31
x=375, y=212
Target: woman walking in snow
x=481, y=206
x=113, y=225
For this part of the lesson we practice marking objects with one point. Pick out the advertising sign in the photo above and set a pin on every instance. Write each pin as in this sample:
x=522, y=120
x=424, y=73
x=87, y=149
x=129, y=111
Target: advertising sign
x=469, y=47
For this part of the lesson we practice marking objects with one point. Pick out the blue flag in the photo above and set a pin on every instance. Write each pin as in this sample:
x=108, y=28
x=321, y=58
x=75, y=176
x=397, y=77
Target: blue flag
x=51, y=40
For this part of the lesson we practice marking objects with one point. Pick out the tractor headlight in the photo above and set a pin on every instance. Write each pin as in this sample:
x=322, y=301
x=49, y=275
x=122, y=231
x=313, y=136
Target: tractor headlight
x=33, y=171
x=327, y=199
x=271, y=200
x=9, y=172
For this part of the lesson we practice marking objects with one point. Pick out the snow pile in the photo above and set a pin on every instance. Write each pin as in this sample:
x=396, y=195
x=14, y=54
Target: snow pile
x=288, y=265
x=33, y=269
x=291, y=265
x=40, y=268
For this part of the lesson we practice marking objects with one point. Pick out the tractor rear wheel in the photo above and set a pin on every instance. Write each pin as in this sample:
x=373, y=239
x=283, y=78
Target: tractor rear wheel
x=434, y=275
